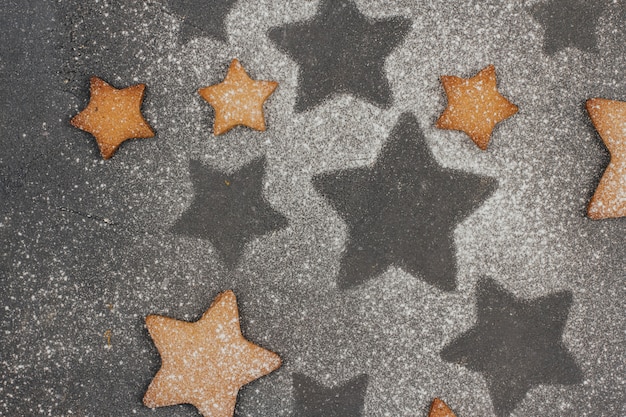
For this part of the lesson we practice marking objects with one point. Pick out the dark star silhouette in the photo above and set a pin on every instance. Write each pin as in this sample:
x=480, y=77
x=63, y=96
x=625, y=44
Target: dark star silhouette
x=341, y=51
x=229, y=209
x=403, y=210
x=202, y=18
x=516, y=344
x=569, y=23
x=315, y=400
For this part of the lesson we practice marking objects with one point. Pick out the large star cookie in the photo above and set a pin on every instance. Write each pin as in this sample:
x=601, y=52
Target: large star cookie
x=403, y=210
x=516, y=344
x=315, y=400
x=205, y=363
x=341, y=51
x=609, y=118
x=229, y=209
x=238, y=100
x=475, y=106
x=113, y=115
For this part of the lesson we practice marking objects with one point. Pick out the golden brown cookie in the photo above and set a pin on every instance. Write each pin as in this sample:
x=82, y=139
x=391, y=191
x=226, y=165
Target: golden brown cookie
x=205, y=363
x=475, y=105
x=609, y=118
x=440, y=409
x=113, y=115
x=238, y=100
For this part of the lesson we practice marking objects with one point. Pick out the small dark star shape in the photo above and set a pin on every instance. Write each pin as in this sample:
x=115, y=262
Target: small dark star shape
x=202, y=18
x=569, y=23
x=315, y=400
x=403, y=210
x=516, y=344
x=341, y=51
x=229, y=209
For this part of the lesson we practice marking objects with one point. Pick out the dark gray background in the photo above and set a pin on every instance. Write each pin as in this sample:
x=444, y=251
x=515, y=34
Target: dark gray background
x=80, y=235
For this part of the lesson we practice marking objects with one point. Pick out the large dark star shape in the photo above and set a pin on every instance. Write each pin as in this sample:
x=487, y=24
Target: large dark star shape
x=341, y=51
x=202, y=18
x=403, y=210
x=314, y=400
x=516, y=344
x=229, y=209
x=569, y=23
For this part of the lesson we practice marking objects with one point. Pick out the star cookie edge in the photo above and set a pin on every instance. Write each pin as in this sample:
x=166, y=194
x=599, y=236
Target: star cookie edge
x=108, y=146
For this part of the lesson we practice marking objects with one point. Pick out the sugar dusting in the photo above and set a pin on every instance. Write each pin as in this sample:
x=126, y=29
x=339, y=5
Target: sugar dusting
x=62, y=268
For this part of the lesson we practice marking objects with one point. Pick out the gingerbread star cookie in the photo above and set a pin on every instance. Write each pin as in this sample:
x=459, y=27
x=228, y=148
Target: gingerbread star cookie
x=205, y=363
x=238, y=100
x=440, y=409
x=609, y=118
x=475, y=105
x=113, y=115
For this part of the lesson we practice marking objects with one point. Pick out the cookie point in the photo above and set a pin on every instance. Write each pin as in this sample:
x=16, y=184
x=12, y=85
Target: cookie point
x=227, y=296
x=107, y=151
x=439, y=408
x=106, y=155
x=141, y=87
x=74, y=121
x=151, y=319
x=437, y=403
x=219, y=129
x=278, y=362
x=149, y=399
x=592, y=104
x=593, y=213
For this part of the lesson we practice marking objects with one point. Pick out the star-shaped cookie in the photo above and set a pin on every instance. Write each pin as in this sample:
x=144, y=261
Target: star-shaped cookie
x=439, y=408
x=341, y=51
x=609, y=118
x=315, y=400
x=403, y=210
x=113, y=115
x=205, y=363
x=229, y=209
x=569, y=23
x=475, y=105
x=238, y=100
x=516, y=344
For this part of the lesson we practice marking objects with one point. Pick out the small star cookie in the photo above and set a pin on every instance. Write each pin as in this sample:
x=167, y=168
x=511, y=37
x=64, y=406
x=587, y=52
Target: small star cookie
x=238, y=100
x=113, y=115
x=440, y=409
x=205, y=363
x=609, y=118
x=475, y=105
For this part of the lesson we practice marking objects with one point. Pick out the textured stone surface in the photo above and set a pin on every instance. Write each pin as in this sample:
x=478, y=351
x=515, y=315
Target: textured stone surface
x=87, y=246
